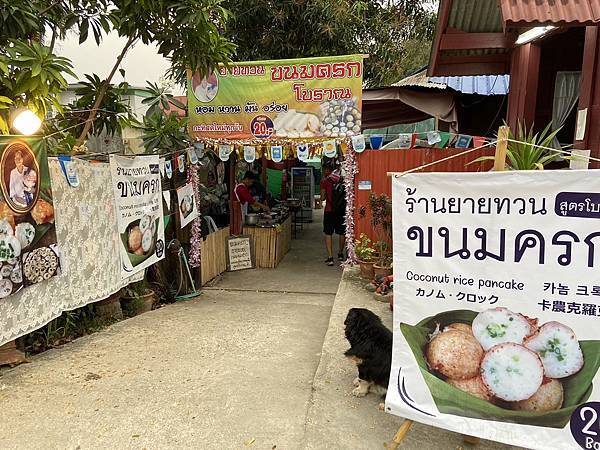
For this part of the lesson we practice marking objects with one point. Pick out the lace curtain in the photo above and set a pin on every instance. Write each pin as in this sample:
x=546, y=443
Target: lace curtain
x=86, y=228
x=566, y=96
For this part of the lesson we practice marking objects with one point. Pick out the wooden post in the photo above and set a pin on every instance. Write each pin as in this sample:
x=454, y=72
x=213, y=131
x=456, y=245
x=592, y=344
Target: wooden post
x=401, y=434
x=501, y=147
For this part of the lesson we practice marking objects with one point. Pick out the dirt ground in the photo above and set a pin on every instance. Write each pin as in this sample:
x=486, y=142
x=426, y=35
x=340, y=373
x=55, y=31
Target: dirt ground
x=254, y=362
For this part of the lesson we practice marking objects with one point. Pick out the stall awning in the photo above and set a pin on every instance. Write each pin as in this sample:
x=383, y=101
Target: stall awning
x=396, y=105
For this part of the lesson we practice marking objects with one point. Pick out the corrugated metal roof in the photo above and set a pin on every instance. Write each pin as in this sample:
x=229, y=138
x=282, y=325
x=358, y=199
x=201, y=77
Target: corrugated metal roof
x=560, y=12
x=476, y=16
x=481, y=84
x=419, y=79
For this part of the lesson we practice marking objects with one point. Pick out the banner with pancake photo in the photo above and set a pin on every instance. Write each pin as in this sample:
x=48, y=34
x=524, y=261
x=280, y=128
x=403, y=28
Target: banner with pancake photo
x=497, y=305
x=285, y=99
x=28, y=246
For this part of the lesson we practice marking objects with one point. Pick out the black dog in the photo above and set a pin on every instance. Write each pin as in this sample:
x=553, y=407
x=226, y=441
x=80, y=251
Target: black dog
x=370, y=349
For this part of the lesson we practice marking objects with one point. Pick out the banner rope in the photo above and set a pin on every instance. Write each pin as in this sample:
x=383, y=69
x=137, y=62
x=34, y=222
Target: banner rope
x=415, y=169
x=565, y=152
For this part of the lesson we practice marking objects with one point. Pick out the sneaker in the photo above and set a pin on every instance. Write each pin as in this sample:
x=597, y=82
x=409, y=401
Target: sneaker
x=341, y=257
x=329, y=261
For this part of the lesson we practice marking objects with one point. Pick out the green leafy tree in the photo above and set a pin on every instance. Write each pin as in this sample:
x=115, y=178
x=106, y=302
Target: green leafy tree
x=396, y=34
x=163, y=133
x=187, y=32
x=115, y=114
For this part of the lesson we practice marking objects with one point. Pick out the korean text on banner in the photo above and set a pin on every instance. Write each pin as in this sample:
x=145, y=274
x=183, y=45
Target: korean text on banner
x=296, y=98
x=498, y=301
x=139, y=209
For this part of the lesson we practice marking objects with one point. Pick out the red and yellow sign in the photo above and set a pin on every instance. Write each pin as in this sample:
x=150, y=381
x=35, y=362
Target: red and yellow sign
x=301, y=99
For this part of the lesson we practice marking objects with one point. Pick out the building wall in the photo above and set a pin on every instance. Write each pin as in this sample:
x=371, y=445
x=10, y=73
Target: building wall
x=373, y=166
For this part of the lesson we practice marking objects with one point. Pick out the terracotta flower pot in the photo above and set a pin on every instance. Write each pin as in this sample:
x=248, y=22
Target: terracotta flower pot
x=366, y=269
x=143, y=303
x=382, y=271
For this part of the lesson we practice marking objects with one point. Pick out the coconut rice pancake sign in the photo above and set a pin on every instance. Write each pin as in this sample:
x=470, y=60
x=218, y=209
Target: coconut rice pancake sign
x=497, y=303
x=28, y=247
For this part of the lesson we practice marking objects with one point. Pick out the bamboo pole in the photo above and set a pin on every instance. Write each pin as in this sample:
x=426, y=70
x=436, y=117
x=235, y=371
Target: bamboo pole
x=501, y=148
x=401, y=434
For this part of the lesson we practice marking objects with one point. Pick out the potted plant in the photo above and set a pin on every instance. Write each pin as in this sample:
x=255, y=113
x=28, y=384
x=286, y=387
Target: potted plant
x=365, y=254
x=137, y=298
x=381, y=221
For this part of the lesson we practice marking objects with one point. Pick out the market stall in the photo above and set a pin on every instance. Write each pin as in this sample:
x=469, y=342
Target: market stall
x=272, y=119
x=272, y=236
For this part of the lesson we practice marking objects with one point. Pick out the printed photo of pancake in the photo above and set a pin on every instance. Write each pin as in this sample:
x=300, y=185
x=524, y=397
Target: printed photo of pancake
x=500, y=365
x=139, y=239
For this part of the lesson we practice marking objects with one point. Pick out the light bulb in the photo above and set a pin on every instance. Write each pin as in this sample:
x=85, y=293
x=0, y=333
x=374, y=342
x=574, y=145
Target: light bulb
x=26, y=122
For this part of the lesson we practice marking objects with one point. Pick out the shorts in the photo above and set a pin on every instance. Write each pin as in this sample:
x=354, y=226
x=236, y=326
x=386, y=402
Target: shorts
x=333, y=222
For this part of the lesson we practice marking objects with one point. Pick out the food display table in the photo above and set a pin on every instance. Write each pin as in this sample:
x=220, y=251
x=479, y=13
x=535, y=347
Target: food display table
x=271, y=242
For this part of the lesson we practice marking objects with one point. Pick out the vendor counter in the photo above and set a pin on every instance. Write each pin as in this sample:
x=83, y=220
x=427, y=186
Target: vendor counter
x=271, y=242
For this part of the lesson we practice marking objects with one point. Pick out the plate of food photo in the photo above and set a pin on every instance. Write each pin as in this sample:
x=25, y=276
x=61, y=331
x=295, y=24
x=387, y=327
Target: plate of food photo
x=139, y=239
x=501, y=365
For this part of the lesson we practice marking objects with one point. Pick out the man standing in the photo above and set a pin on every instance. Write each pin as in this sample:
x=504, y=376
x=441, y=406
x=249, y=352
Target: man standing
x=334, y=196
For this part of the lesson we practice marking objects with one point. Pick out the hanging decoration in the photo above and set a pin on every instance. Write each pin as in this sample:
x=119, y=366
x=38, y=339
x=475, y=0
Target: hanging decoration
x=161, y=166
x=330, y=149
x=69, y=168
x=196, y=238
x=350, y=168
x=276, y=153
x=358, y=143
x=433, y=137
x=249, y=153
x=199, y=149
x=169, y=168
x=224, y=151
x=192, y=156
x=405, y=141
x=302, y=152
x=463, y=141
x=167, y=197
x=181, y=163
x=376, y=141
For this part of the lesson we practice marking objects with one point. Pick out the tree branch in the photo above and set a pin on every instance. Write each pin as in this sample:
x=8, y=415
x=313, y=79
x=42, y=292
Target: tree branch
x=100, y=96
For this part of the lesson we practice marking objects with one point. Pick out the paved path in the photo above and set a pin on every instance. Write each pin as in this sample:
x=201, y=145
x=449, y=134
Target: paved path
x=254, y=363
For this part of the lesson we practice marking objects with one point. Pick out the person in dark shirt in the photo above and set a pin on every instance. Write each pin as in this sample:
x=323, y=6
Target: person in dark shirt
x=333, y=221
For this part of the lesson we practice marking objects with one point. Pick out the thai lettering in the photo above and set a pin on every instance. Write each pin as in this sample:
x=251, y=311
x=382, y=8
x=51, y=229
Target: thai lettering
x=483, y=253
x=136, y=188
x=480, y=245
x=578, y=204
x=565, y=258
x=463, y=252
x=529, y=239
x=481, y=205
x=321, y=71
x=425, y=245
x=304, y=94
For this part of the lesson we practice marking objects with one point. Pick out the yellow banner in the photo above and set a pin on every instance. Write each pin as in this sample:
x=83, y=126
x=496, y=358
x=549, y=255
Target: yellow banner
x=302, y=99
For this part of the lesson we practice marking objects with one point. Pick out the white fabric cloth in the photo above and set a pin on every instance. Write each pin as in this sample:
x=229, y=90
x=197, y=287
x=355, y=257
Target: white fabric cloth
x=566, y=97
x=88, y=240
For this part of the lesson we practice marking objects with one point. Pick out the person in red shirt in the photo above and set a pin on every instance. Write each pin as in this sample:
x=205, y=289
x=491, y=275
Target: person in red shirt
x=242, y=195
x=333, y=221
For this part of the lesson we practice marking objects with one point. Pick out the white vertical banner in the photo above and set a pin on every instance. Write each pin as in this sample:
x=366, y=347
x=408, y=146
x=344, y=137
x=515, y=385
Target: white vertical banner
x=139, y=209
x=188, y=210
x=497, y=305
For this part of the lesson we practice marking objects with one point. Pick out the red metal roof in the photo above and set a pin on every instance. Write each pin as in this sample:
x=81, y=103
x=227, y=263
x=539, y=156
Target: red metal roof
x=559, y=12
x=175, y=109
